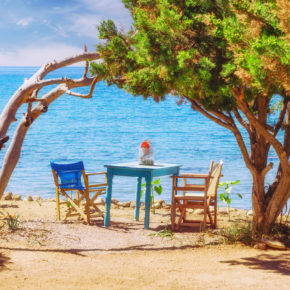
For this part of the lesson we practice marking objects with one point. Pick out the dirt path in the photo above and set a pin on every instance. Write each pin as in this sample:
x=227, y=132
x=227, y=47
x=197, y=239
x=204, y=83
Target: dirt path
x=45, y=254
x=196, y=268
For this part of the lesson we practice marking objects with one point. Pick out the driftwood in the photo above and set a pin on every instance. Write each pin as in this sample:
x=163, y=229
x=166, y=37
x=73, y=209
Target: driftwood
x=28, y=93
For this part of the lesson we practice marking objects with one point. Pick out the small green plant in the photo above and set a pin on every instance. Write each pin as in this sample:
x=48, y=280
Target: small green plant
x=155, y=187
x=165, y=233
x=12, y=221
x=239, y=232
x=225, y=196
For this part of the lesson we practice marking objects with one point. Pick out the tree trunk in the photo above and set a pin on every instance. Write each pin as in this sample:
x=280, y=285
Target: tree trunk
x=12, y=155
x=259, y=157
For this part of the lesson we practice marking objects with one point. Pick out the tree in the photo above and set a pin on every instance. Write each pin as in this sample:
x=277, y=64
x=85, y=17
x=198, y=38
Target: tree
x=228, y=59
x=28, y=94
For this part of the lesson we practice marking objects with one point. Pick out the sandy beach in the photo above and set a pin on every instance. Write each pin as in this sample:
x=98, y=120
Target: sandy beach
x=46, y=254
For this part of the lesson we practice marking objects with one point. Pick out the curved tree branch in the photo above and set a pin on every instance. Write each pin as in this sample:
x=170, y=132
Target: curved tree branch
x=238, y=94
x=89, y=95
x=281, y=117
x=200, y=109
x=242, y=121
x=31, y=87
x=232, y=126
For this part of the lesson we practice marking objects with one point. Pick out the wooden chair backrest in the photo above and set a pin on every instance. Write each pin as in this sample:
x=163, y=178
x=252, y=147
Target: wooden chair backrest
x=215, y=173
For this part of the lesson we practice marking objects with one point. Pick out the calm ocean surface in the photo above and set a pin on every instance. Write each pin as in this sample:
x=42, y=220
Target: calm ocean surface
x=109, y=128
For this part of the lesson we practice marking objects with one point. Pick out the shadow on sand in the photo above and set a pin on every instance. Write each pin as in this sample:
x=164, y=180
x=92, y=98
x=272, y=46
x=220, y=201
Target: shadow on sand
x=276, y=264
x=3, y=261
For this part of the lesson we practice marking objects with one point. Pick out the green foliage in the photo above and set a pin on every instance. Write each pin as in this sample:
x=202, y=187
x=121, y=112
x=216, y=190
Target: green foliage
x=225, y=196
x=196, y=49
x=239, y=232
x=155, y=187
x=12, y=221
x=165, y=233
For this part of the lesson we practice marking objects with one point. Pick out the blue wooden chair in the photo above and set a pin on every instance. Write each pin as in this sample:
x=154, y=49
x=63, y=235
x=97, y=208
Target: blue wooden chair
x=68, y=183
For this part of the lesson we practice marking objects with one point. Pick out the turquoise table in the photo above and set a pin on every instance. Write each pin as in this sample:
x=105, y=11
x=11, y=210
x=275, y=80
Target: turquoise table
x=140, y=171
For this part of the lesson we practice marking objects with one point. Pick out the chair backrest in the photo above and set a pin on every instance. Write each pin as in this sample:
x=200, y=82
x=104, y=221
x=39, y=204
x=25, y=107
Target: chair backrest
x=215, y=173
x=69, y=174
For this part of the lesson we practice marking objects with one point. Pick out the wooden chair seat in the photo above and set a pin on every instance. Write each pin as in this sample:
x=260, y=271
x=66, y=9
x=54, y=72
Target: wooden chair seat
x=196, y=196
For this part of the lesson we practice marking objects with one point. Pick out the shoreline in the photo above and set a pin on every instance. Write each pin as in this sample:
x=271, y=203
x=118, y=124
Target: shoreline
x=9, y=196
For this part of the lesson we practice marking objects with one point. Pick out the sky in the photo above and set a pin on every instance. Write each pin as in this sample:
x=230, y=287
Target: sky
x=34, y=32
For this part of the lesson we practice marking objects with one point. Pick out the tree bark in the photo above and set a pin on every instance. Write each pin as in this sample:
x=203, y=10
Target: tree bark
x=266, y=204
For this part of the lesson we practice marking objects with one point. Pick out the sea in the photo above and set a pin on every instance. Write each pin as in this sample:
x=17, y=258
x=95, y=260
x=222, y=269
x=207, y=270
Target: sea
x=109, y=128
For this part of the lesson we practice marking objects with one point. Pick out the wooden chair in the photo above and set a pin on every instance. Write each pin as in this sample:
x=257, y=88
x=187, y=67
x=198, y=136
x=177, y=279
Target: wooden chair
x=196, y=196
x=68, y=183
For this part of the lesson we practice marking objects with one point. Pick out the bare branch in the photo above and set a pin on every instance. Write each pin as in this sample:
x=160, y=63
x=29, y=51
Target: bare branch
x=262, y=130
x=241, y=120
x=267, y=168
x=281, y=117
x=89, y=95
x=33, y=100
x=49, y=82
x=200, y=109
x=87, y=64
x=43, y=71
x=231, y=127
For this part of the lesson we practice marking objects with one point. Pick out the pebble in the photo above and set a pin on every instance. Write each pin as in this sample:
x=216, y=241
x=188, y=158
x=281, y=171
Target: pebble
x=114, y=201
x=7, y=195
x=274, y=244
x=250, y=213
x=16, y=197
x=260, y=246
x=124, y=204
x=51, y=199
x=29, y=198
x=100, y=201
x=161, y=201
x=36, y=197
x=198, y=211
x=157, y=204
x=223, y=210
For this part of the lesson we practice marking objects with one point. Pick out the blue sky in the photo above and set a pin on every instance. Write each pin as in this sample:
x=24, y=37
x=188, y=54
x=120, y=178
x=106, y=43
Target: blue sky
x=33, y=32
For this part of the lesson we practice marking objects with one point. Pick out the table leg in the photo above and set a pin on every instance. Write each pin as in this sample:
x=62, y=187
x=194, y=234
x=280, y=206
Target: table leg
x=173, y=213
x=147, y=201
x=138, y=195
x=108, y=197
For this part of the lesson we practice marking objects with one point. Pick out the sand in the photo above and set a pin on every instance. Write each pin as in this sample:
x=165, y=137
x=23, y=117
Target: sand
x=46, y=254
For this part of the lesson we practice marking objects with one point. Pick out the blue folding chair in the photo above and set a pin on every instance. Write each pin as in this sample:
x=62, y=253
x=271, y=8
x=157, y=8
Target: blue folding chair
x=68, y=178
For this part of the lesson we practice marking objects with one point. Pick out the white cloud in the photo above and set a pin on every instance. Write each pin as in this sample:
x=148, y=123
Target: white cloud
x=38, y=56
x=56, y=28
x=113, y=6
x=24, y=22
x=85, y=25
x=113, y=9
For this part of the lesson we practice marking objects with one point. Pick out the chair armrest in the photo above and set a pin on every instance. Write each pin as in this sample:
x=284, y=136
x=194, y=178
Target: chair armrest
x=95, y=173
x=191, y=176
x=97, y=185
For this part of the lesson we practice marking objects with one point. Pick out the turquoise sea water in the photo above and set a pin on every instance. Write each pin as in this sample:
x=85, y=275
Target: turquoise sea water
x=109, y=128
